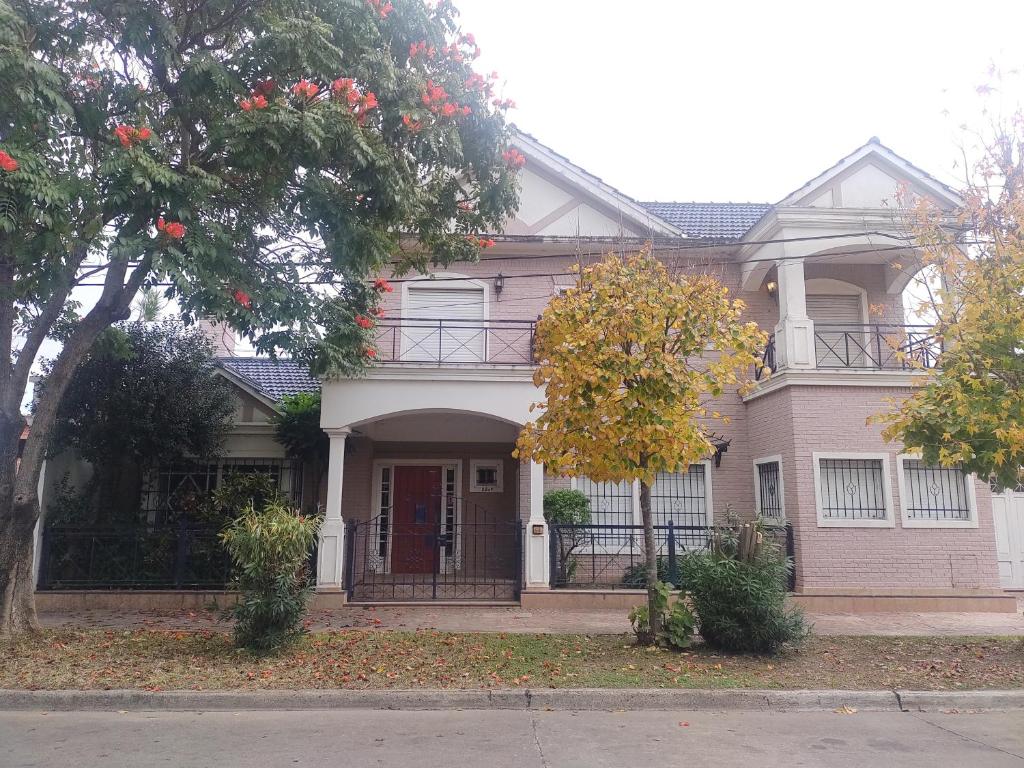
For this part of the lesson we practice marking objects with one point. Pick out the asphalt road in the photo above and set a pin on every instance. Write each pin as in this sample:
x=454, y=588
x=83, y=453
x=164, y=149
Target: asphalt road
x=500, y=739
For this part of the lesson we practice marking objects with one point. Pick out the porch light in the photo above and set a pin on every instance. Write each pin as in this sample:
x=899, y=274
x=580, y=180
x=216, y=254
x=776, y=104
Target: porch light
x=773, y=289
x=499, y=283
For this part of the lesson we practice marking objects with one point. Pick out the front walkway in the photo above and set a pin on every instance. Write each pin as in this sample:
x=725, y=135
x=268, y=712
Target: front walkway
x=492, y=619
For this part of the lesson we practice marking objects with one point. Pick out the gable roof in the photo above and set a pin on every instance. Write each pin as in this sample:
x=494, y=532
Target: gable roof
x=875, y=147
x=578, y=178
x=710, y=220
x=274, y=379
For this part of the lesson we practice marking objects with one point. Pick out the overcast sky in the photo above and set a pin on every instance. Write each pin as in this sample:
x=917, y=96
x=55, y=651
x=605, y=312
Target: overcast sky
x=742, y=101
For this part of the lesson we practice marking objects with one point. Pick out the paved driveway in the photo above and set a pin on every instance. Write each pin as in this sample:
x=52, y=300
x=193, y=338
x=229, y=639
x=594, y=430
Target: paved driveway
x=509, y=739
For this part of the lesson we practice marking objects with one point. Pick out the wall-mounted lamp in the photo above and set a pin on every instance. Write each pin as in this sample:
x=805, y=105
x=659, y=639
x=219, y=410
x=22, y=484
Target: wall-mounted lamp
x=499, y=284
x=773, y=289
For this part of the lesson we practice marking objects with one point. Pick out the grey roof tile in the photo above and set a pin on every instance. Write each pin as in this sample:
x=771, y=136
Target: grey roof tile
x=273, y=378
x=726, y=221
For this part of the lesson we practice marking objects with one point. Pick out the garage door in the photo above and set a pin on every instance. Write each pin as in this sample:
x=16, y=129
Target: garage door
x=1008, y=515
x=444, y=325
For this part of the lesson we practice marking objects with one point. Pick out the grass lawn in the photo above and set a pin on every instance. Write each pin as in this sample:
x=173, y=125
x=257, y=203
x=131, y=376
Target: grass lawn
x=165, y=660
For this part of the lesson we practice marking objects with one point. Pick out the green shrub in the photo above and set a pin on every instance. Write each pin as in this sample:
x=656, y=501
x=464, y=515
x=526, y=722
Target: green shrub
x=567, y=507
x=270, y=552
x=677, y=621
x=740, y=602
x=635, y=576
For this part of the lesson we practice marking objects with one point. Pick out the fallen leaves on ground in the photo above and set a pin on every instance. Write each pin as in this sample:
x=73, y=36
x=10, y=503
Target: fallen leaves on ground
x=154, y=659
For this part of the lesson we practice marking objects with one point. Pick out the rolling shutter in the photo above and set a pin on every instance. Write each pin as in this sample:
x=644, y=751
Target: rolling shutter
x=444, y=325
x=839, y=339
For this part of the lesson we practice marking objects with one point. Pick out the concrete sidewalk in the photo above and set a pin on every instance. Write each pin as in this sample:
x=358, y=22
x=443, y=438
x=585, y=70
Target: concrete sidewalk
x=467, y=618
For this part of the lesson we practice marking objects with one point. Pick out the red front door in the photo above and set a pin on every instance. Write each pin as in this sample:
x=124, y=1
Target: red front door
x=417, y=515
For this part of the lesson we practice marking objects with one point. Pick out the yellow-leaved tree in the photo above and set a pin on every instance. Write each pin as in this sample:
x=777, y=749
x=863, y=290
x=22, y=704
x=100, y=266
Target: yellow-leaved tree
x=631, y=360
x=970, y=410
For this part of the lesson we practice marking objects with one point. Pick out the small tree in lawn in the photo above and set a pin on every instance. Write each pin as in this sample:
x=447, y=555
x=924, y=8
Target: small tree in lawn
x=970, y=410
x=256, y=161
x=629, y=359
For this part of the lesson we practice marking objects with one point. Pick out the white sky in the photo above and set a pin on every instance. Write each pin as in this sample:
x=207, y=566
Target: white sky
x=742, y=101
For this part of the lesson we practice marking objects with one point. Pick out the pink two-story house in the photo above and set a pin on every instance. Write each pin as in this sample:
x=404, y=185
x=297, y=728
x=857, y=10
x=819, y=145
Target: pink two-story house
x=424, y=499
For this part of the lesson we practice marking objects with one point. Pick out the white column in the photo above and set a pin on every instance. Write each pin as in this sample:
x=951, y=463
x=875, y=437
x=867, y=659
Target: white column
x=538, y=565
x=794, y=335
x=331, y=551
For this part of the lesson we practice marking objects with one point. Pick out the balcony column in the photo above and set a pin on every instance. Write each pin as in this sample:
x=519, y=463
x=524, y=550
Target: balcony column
x=794, y=335
x=330, y=555
x=538, y=571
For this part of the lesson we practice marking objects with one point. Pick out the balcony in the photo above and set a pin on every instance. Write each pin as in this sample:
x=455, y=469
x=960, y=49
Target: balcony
x=454, y=342
x=877, y=347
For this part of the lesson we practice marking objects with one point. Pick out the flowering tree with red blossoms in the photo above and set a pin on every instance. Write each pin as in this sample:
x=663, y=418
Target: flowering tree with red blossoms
x=255, y=160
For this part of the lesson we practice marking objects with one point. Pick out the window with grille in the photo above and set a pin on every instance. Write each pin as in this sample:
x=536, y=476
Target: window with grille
x=935, y=493
x=610, y=503
x=768, y=488
x=852, y=491
x=680, y=497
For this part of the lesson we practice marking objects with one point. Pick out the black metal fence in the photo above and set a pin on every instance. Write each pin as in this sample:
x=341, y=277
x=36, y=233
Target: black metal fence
x=467, y=556
x=876, y=346
x=447, y=341
x=148, y=557
x=613, y=556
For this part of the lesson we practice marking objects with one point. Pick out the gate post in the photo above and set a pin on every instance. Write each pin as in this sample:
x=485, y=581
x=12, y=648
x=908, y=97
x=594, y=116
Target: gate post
x=538, y=558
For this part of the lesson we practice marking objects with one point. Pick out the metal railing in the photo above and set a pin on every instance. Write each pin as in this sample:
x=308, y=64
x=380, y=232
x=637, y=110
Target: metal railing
x=876, y=346
x=145, y=557
x=453, y=341
x=767, y=359
x=613, y=556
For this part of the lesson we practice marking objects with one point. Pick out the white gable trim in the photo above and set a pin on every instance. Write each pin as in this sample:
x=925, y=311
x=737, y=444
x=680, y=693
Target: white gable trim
x=243, y=384
x=606, y=195
x=822, y=183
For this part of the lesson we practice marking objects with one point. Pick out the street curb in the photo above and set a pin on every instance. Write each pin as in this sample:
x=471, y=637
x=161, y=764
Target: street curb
x=573, y=699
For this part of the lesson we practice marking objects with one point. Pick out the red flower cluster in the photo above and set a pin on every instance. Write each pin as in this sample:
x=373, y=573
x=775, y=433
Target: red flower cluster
x=382, y=285
x=359, y=103
x=415, y=49
x=304, y=89
x=7, y=162
x=435, y=98
x=514, y=158
x=129, y=135
x=264, y=88
x=256, y=102
x=480, y=242
x=364, y=322
x=381, y=7
x=414, y=126
x=243, y=298
x=173, y=229
x=370, y=352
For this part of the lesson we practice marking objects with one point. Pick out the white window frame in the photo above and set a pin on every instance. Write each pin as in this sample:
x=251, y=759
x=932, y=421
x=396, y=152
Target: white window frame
x=889, y=521
x=637, y=516
x=378, y=465
x=916, y=522
x=775, y=459
x=497, y=464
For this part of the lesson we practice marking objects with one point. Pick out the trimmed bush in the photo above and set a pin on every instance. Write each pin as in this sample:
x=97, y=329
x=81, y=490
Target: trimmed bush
x=567, y=507
x=270, y=552
x=740, y=601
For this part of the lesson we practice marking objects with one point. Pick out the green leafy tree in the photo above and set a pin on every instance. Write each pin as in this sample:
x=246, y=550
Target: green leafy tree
x=145, y=394
x=297, y=428
x=630, y=359
x=567, y=507
x=256, y=160
x=969, y=412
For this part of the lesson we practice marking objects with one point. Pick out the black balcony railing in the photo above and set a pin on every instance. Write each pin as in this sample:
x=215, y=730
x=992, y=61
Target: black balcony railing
x=454, y=341
x=767, y=364
x=876, y=346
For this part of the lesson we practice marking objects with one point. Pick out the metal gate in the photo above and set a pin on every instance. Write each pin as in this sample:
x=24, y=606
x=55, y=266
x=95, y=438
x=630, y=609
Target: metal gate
x=460, y=553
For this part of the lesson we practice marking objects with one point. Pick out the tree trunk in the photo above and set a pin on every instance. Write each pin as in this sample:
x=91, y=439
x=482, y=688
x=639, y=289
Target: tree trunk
x=651, y=553
x=17, y=531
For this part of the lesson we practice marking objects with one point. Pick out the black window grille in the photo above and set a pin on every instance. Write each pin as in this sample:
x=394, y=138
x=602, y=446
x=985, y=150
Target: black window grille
x=935, y=493
x=769, y=489
x=610, y=503
x=384, y=513
x=680, y=497
x=852, y=489
x=179, y=491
